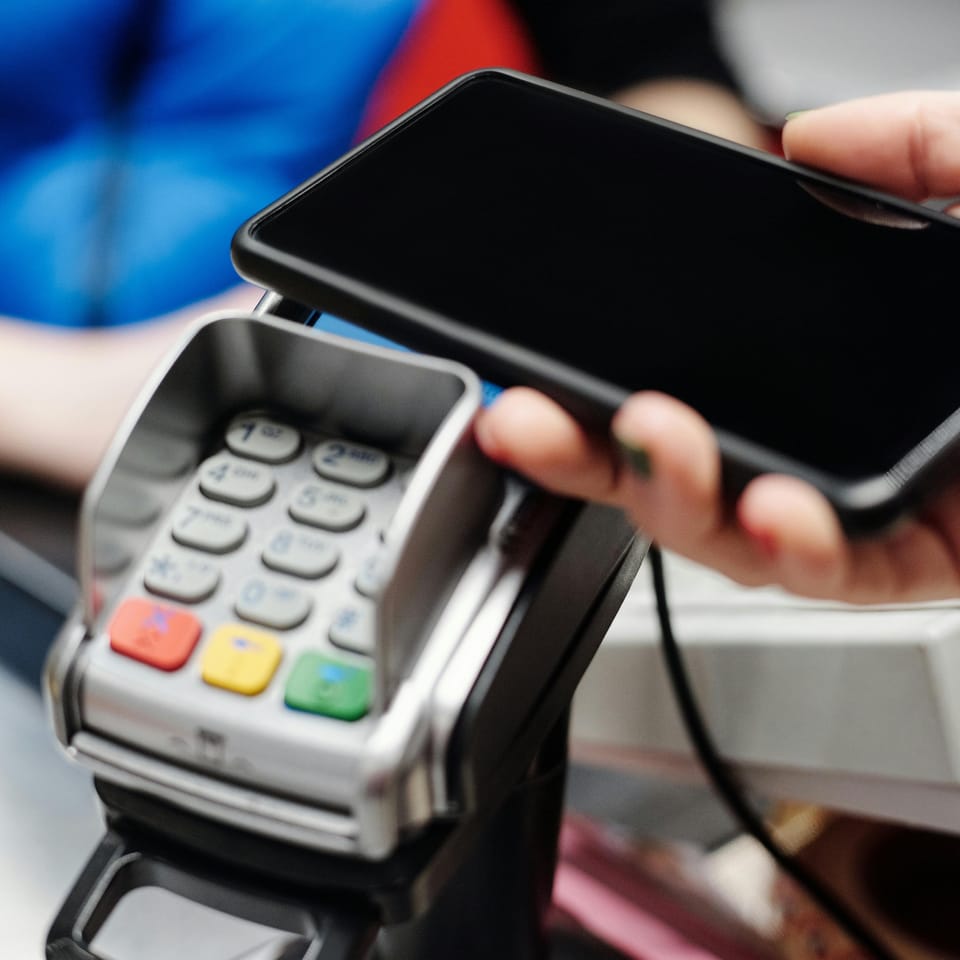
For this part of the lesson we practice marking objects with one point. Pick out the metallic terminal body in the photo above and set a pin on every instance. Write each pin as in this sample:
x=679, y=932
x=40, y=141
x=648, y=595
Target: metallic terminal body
x=476, y=567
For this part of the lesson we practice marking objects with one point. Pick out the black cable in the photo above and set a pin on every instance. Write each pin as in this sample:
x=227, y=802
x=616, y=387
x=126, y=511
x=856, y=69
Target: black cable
x=730, y=792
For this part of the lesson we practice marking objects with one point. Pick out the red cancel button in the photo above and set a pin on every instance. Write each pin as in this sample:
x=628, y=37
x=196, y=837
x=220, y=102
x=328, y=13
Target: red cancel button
x=160, y=636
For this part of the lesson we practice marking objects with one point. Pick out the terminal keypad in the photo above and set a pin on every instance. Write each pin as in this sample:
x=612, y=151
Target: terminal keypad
x=277, y=528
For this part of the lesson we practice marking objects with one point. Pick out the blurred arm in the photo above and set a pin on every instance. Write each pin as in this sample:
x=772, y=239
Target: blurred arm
x=63, y=392
x=659, y=56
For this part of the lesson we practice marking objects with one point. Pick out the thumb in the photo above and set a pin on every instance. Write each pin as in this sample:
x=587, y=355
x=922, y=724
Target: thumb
x=904, y=143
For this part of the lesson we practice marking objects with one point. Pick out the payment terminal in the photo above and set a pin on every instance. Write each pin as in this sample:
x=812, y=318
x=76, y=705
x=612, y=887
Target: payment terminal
x=324, y=650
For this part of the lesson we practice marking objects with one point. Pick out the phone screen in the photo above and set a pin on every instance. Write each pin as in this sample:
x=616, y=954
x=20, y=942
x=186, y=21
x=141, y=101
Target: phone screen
x=651, y=260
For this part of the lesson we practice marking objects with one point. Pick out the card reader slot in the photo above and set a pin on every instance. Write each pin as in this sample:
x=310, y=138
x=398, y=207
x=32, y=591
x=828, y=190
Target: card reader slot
x=315, y=826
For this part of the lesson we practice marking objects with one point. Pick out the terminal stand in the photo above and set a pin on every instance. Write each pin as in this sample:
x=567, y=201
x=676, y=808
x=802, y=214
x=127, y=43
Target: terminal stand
x=496, y=903
x=493, y=903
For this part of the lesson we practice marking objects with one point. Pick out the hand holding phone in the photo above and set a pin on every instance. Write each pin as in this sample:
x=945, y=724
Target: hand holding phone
x=553, y=240
x=664, y=466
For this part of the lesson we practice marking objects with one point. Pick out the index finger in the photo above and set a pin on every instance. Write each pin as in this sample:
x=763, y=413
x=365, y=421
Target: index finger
x=905, y=143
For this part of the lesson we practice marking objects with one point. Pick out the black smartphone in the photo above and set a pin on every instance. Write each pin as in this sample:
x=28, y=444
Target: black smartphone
x=547, y=237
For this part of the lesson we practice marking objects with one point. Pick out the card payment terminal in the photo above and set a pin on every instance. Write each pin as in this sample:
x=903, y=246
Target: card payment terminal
x=321, y=640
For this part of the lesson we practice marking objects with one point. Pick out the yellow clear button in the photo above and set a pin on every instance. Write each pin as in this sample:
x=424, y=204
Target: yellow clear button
x=241, y=659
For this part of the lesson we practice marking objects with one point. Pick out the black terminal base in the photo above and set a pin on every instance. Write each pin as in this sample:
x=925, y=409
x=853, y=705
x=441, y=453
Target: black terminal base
x=127, y=859
x=474, y=889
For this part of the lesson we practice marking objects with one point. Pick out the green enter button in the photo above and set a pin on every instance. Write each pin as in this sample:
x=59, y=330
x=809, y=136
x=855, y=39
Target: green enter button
x=330, y=687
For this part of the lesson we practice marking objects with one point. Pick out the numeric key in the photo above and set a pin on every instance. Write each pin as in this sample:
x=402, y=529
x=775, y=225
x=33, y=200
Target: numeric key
x=300, y=552
x=272, y=603
x=263, y=439
x=229, y=479
x=208, y=528
x=327, y=506
x=351, y=463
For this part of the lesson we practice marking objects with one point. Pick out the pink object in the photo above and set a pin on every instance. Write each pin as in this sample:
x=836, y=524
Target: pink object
x=645, y=902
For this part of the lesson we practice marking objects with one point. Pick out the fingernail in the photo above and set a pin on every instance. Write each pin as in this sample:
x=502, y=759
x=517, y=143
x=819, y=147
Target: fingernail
x=636, y=458
x=794, y=113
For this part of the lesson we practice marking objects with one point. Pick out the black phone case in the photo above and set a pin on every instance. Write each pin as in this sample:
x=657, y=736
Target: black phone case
x=865, y=506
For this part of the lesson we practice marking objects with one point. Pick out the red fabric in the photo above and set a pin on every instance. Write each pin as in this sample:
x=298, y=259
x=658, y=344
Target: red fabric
x=447, y=38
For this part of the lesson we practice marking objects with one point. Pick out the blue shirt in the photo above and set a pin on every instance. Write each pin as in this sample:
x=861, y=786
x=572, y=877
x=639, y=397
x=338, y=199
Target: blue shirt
x=136, y=136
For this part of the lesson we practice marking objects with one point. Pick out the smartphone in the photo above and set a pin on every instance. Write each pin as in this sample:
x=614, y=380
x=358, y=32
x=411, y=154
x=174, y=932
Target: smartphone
x=547, y=237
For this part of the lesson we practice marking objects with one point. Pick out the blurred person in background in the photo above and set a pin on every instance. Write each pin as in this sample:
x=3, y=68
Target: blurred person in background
x=139, y=134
